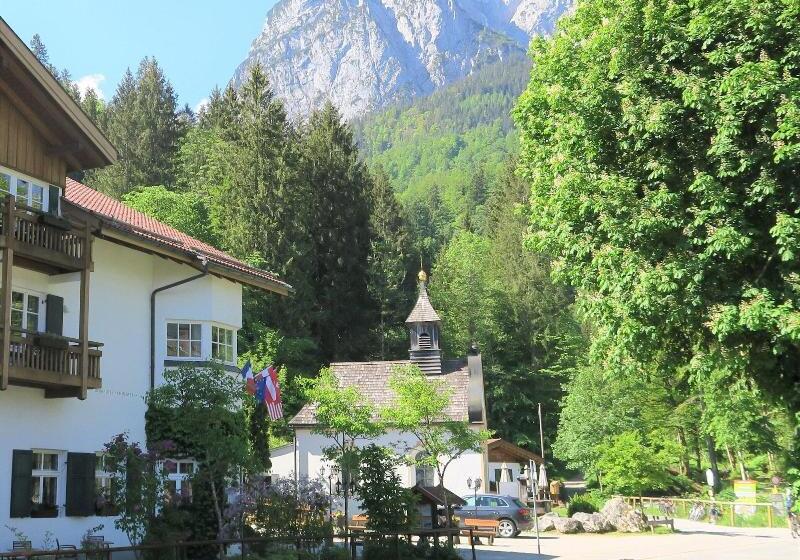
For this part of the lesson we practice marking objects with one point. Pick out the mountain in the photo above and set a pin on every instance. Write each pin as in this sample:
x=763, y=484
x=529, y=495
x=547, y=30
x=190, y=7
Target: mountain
x=364, y=55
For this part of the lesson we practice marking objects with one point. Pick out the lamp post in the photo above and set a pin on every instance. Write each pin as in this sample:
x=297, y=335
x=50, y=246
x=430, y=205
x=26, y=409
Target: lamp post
x=475, y=485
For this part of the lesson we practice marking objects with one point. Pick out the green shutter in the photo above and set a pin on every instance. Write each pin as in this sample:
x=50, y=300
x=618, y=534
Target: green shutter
x=54, y=198
x=80, y=484
x=21, y=469
x=54, y=315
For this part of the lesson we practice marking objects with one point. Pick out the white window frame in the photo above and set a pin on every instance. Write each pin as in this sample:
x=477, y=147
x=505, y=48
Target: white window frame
x=168, y=339
x=42, y=473
x=180, y=479
x=34, y=185
x=40, y=315
x=214, y=344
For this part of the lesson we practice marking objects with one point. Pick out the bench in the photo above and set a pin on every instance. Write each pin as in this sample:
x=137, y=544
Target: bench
x=656, y=521
x=480, y=528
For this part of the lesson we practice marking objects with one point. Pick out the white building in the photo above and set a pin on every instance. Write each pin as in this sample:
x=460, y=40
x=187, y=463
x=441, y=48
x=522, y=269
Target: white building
x=97, y=301
x=463, y=377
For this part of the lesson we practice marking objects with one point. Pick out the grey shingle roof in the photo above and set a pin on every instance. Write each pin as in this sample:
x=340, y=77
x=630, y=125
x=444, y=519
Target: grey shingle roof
x=423, y=310
x=372, y=380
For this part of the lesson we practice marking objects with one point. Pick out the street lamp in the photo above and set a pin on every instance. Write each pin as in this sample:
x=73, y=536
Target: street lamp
x=475, y=485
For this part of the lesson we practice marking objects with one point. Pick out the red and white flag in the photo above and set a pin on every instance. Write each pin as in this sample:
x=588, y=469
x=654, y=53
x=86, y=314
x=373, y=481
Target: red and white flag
x=272, y=394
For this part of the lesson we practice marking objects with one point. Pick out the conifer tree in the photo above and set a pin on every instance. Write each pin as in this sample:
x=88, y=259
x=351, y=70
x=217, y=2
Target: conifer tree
x=389, y=255
x=340, y=235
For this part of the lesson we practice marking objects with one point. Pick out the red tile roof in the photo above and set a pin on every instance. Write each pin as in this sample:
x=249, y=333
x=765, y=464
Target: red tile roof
x=125, y=218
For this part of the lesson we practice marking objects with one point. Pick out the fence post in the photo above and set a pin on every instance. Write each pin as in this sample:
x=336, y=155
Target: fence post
x=472, y=543
x=769, y=516
x=733, y=515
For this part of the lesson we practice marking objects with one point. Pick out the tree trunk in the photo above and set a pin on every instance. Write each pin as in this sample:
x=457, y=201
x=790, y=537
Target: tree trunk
x=684, y=452
x=712, y=459
x=731, y=462
x=218, y=512
x=742, y=469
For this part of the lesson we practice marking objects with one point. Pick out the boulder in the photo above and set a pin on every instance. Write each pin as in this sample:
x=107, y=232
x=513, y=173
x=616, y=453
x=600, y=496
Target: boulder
x=623, y=517
x=547, y=521
x=593, y=522
x=567, y=525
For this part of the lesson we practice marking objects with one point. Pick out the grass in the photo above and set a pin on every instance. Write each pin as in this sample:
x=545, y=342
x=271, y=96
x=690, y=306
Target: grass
x=758, y=519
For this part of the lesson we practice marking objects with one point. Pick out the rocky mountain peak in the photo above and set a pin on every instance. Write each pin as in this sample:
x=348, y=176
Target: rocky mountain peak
x=364, y=54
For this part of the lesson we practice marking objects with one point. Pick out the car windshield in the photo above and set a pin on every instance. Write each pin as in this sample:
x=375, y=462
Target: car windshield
x=519, y=503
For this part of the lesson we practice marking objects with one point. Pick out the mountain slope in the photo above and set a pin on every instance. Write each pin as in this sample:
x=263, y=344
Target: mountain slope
x=444, y=138
x=365, y=54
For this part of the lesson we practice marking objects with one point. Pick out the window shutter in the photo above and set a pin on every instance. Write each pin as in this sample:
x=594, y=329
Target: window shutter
x=21, y=470
x=54, y=315
x=54, y=200
x=80, y=484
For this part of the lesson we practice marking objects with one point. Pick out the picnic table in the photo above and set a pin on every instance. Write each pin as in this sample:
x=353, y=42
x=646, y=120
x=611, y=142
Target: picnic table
x=480, y=528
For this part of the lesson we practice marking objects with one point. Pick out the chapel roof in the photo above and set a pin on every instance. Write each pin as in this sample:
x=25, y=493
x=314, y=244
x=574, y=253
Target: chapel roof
x=372, y=380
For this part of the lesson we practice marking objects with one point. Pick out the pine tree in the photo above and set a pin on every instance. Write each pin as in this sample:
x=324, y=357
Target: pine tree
x=340, y=234
x=142, y=122
x=388, y=262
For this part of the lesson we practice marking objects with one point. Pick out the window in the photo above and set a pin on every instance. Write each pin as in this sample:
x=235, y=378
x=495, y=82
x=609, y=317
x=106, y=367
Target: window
x=491, y=501
x=222, y=344
x=498, y=475
x=29, y=192
x=425, y=474
x=36, y=197
x=44, y=484
x=103, y=479
x=25, y=311
x=183, y=340
x=179, y=484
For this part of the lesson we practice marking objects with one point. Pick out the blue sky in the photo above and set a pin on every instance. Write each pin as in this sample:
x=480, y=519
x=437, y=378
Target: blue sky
x=199, y=43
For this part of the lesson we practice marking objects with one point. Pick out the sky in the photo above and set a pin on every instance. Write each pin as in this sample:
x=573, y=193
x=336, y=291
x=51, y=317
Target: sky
x=198, y=43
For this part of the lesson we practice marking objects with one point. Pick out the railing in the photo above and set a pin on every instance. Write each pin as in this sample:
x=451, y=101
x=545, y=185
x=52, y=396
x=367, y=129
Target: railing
x=62, y=355
x=763, y=514
x=312, y=548
x=32, y=233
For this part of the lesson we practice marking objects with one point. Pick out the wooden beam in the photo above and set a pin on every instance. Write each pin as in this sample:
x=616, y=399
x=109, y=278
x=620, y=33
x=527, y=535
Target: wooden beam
x=8, y=267
x=24, y=107
x=84, y=314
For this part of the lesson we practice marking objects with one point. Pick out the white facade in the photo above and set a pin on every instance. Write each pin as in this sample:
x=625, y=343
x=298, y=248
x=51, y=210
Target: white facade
x=305, y=459
x=119, y=317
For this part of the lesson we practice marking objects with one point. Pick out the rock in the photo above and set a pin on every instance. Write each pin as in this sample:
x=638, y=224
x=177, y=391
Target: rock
x=365, y=55
x=567, y=525
x=547, y=521
x=623, y=517
x=593, y=522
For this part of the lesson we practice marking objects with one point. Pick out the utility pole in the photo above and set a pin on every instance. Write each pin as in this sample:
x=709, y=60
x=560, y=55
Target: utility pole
x=541, y=432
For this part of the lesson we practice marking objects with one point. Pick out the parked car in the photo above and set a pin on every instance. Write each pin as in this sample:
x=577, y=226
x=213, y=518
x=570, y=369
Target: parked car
x=514, y=516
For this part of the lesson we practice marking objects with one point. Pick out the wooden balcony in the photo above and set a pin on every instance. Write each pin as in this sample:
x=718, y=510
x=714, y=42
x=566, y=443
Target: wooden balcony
x=53, y=363
x=41, y=240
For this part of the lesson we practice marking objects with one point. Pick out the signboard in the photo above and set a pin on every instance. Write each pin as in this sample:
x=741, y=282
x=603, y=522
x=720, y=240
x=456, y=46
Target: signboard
x=746, y=491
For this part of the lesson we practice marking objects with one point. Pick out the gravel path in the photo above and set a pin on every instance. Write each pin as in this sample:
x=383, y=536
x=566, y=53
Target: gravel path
x=692, y=541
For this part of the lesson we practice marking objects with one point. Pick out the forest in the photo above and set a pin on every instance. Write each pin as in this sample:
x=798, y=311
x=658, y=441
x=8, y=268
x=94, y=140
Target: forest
x=630, y=263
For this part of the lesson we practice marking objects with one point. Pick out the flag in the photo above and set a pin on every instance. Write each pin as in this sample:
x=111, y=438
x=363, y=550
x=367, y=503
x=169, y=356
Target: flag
x=247, y=377
x=272, y=393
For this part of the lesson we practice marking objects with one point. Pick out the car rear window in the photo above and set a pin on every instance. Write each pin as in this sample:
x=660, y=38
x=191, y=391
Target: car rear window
x=518, y=503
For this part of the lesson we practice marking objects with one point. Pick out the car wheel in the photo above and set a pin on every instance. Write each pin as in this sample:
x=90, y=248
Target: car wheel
x=506, y=529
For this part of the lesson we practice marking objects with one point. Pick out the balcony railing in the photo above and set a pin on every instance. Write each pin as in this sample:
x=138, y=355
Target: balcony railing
x=51, y=362
x=41, y=236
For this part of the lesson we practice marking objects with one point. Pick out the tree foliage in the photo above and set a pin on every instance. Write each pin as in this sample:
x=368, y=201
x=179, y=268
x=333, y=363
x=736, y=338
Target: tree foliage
x=660, y=140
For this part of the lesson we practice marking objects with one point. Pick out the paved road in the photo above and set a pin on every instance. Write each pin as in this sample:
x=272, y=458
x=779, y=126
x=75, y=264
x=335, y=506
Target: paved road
x=692, y=541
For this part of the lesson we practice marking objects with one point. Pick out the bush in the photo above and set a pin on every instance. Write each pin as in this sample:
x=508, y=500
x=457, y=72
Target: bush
x=581, y=504
x=334, y=553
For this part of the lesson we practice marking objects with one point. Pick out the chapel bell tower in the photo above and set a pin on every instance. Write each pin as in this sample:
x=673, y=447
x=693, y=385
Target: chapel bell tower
x=424, y=326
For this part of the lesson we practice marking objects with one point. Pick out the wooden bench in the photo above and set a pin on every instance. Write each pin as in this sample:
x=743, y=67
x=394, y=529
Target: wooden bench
x=480, y=528
x=656, y=521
